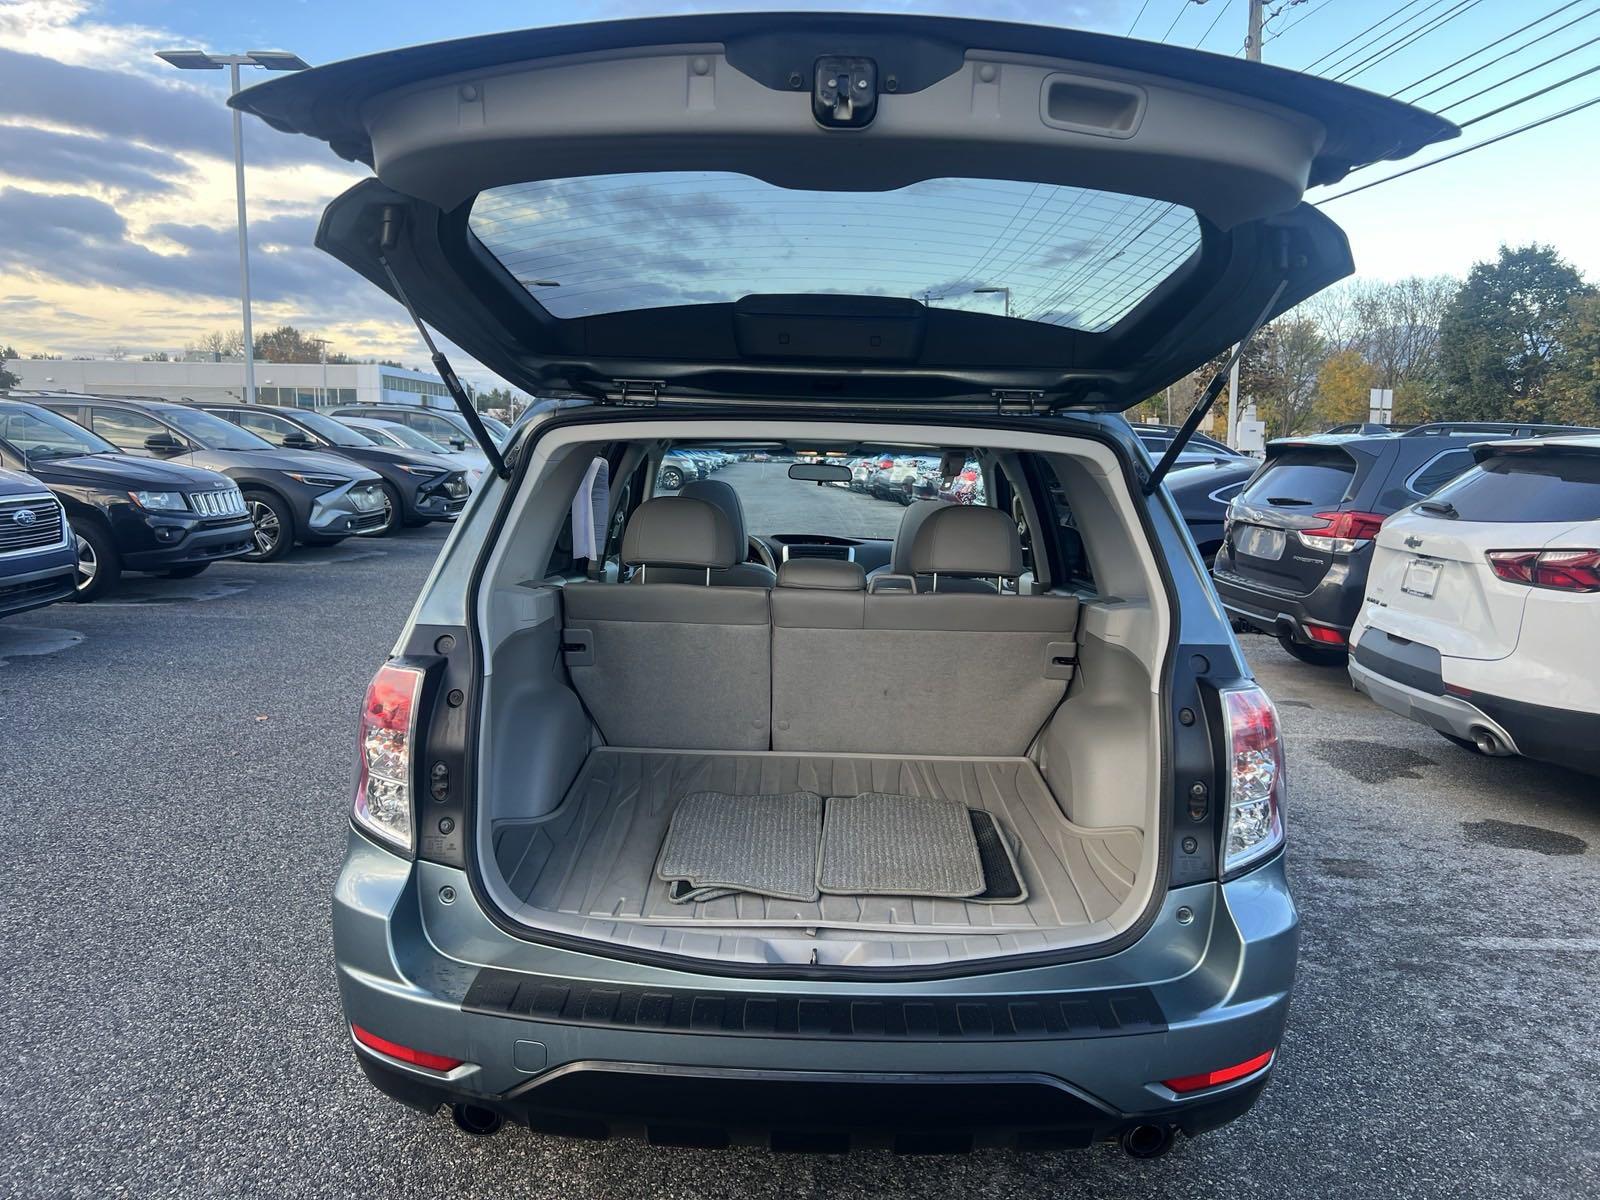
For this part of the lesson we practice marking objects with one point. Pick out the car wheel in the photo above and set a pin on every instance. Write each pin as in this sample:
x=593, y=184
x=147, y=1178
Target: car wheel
x=187, y=571
x=1317, y=656
x=99, y=564
x=671, y=479
x=273, y=534
x=391, y=512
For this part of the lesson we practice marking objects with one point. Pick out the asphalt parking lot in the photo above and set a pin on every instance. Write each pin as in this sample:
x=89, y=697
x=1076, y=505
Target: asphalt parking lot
x=178, y=763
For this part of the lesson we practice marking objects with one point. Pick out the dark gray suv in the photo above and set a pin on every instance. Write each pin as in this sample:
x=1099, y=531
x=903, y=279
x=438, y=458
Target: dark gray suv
x=668, y=820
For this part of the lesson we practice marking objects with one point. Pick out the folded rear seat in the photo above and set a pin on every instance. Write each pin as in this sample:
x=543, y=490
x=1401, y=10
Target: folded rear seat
x=919, y=673
x=673, y=665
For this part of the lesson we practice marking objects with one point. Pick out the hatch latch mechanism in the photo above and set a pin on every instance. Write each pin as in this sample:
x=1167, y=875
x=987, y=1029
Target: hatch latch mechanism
x=844, y=92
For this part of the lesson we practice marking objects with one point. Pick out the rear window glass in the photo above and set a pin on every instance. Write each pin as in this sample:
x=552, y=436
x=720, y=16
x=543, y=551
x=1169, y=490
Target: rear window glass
x=616, y=243
x=1303, y=477
x=1439, y=471
x=1528, y=487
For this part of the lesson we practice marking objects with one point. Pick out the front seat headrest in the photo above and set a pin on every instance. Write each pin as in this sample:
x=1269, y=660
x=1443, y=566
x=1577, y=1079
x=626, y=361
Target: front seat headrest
x=678, y=531
x=967, y=540
x=905, y=537
x=715, y=491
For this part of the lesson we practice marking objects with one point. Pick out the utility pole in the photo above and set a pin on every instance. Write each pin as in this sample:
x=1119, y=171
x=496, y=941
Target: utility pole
x=1252, y=51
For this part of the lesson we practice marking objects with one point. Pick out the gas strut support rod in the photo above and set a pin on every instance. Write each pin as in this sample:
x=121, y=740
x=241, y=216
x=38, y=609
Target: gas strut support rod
x=1209, y=396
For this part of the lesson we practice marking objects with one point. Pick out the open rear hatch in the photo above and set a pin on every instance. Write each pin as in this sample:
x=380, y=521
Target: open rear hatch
x=842, y=209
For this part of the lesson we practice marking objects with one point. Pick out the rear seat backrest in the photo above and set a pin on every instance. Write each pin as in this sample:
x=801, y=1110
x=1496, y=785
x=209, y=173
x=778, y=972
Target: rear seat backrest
x=932, y=673
x=674, y=665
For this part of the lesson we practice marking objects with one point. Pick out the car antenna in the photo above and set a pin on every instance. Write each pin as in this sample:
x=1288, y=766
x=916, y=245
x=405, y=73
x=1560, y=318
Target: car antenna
x=441, y=364
x=1209, y=396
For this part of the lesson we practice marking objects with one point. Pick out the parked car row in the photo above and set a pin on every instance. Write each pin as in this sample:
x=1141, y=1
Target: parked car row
x=132, y=484
x=679, y=467
x=1454, y=568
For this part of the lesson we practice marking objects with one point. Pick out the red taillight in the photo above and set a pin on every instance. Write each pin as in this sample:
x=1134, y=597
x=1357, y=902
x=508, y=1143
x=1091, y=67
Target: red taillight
x=1561, y=570
x=1208, y=1079
x=1341, y=532
x=1256, y=777
x=385, y=739
x=1325, y=634
x=417, y=1058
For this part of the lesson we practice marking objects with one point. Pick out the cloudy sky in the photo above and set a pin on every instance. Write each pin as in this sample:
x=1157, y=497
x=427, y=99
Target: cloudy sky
x=116, y=189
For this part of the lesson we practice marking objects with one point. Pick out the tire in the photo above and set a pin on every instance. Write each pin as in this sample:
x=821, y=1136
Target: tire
x=1317, y=656
x=274, y=526
x=99, y=564
x=671, y=479
x=187, y=571
x=392, y=512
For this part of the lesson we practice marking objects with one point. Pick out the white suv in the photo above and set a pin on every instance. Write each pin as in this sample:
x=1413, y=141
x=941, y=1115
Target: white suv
x=1480, y=615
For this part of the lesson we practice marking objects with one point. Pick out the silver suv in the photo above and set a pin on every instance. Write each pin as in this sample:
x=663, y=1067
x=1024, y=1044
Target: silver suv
x=768, y=812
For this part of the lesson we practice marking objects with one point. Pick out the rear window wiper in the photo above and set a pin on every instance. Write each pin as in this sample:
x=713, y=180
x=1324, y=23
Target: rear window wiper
x=1285, y=501
x=1439, y=508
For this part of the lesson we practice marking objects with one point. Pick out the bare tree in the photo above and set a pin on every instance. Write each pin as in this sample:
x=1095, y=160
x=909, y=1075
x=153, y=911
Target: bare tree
x=217, y=345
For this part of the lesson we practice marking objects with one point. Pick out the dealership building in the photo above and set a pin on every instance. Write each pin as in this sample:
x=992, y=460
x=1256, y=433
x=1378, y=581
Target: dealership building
x=308, y=385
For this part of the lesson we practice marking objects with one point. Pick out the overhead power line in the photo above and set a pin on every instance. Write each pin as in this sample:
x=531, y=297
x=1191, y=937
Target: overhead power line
x=1222, y=11
x=1305, y=16
x=1443, y=158
x=1495, y=112
x=1363, y=33
x=1137, y=18
x=1183, y=7
x=1519, y=75
x=1490, y=46
x=1401, y=43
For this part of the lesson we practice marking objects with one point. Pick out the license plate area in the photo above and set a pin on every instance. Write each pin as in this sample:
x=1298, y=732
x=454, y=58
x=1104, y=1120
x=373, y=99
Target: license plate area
x=1421, y=578
x=1259, y=542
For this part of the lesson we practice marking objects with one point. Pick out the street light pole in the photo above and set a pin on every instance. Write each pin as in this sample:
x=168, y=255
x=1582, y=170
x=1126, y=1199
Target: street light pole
x=271, y=60
x=1252, y=51
x=989, y=291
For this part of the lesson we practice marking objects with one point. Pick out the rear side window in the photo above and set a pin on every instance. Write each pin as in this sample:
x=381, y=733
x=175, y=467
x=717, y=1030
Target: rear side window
x=1528, y=487
x=1439, y=470
x=1298, y=478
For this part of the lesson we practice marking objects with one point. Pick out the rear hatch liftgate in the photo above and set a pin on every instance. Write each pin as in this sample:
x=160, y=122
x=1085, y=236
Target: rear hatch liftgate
x=827, y=210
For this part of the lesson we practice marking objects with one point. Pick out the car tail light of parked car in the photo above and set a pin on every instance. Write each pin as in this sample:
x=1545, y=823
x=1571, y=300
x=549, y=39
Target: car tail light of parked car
x=1256, y=780
x=1344, y=531
x=383, y=773
x=1562, y=570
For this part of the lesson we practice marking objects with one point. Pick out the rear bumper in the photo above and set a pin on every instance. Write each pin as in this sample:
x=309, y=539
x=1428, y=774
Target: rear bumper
x=1280, y=615
x=583, y=1044
x=1333, y=604
x=1564, y=737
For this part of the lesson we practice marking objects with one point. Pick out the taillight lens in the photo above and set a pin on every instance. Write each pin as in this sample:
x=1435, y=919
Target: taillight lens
x=1342, y=532
x=1256, y=777
x=1561, y=570
x=384, y=744
x=1210, y=1079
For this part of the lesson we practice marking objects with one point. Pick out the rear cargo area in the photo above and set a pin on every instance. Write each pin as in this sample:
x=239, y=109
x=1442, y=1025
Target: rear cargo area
x=593, y=861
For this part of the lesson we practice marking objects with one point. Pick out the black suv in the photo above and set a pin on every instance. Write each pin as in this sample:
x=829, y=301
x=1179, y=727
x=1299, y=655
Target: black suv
x=292, y=495
x=1298, y=542
x=417, y=487
x=128, y=514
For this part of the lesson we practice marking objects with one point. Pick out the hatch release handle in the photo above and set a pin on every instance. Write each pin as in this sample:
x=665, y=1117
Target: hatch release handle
x=844, y=93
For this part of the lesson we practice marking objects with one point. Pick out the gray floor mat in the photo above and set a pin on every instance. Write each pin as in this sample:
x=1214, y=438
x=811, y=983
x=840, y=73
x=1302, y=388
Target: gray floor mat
x=880, y=844
x=765, y=845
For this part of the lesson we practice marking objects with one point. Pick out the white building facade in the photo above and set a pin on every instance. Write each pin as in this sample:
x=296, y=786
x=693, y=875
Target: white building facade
x=305, y=385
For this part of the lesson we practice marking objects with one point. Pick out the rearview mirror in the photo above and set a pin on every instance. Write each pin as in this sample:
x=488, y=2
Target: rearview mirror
x=817, y=472
x=458, y=443
x=162, y=443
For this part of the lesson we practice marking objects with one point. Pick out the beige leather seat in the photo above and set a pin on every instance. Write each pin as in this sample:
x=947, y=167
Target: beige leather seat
x=667, y=664
x=934, y=672
x=742, y=574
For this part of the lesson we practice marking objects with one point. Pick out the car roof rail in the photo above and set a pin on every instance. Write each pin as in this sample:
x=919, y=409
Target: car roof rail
x=1500, y=428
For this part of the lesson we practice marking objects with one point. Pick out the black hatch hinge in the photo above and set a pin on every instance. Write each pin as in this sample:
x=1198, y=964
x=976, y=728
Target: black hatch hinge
x=634, y=393
x=1028, y=401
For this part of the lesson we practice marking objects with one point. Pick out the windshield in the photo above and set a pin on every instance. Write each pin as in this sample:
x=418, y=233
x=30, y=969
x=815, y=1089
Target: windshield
x=213, y=432
x=336, y=432
x=498, y=429
x=38, y=433
x=404, y=435
x=1040, y=252
x=870, y=505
